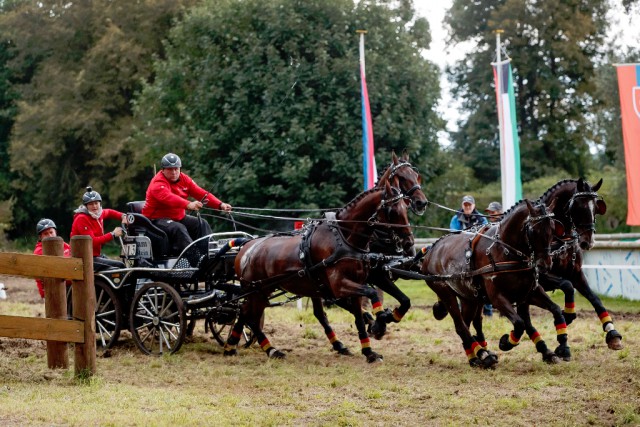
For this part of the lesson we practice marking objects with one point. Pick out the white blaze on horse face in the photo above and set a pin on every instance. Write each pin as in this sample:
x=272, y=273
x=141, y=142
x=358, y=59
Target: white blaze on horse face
x=587, y=236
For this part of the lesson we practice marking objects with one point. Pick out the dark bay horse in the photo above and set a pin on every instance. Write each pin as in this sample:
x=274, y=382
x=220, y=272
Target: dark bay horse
x=501, y=262
x=387, y=241
x=330, y=259
x=577, y=205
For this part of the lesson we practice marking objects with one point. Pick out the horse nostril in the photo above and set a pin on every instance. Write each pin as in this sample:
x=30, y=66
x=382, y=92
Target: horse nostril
x=584, y=246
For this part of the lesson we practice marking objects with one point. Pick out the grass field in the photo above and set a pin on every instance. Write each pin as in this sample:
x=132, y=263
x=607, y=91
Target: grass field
x=424, y=380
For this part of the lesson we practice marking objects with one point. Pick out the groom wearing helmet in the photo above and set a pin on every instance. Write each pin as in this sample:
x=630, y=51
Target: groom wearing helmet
x=89, y=221
x=167, y=201
x=47, y=228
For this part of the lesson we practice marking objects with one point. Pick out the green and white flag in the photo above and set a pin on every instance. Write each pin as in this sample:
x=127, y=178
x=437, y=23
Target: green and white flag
x=509, y=141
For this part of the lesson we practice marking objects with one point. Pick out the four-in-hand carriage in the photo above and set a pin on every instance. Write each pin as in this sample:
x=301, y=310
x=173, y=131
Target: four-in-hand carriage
x=158, y=296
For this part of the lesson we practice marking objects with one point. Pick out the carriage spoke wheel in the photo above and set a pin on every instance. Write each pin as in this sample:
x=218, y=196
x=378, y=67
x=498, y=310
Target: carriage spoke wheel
x=108, y=314
x=158, y=320
x=220, y=322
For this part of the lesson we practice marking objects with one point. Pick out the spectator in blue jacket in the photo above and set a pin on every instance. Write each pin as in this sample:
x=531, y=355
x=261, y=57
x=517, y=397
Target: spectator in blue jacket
x=467, y=216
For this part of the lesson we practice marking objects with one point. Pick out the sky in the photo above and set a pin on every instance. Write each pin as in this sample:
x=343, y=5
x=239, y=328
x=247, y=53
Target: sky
x=625, y=32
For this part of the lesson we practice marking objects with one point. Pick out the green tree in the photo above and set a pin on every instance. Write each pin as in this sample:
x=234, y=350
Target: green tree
x=554, y=46
x=79, y=65
x=262, y=99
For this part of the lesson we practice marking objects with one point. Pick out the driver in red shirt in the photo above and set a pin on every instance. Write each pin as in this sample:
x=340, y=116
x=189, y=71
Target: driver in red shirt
x=167, y=201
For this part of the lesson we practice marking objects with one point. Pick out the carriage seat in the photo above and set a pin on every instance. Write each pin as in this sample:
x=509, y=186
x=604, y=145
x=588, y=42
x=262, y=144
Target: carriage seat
x=141, y=225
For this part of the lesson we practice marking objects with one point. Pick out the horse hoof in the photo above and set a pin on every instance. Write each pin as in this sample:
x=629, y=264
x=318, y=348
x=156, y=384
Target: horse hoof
x=614, y=340
x=504, y=344
x=233, y=352
x=487, y=359
x=345, y=352
x=563, y=352
x=276, y=354
x=378, y=330
x=551, y=358
x=569, y=317
x=341, y=349
x=439, y=310
x=374, y=357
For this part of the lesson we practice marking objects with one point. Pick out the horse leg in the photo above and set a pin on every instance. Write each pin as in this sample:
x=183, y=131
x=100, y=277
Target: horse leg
x=512, y=339
x=251, y=314
x=231, y=346
x=472, y=314
x=354, y=306
x=551, y=282
x=383, y=317
x=613, y=338
x=476, y=355
x=321, y=315
x=540, y=298
x=547, y=355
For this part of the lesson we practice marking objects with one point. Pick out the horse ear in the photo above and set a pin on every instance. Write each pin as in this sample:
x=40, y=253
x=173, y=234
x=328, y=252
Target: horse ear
x=597, y=186
x=529, y=205
x=601, y=206
x=405, y=155
x=387, y=188
x=558, y=228
x=551, y=206
x=394, y=158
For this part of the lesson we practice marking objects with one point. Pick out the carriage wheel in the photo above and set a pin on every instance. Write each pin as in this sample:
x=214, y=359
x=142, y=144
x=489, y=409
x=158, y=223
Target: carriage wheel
x=220, y=322
x=158, y=320
x=108, y=314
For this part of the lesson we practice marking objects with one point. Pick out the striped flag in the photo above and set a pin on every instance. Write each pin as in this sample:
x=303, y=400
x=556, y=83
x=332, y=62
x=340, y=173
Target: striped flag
x=509, y=141
x=368, y=154
x=629, y=87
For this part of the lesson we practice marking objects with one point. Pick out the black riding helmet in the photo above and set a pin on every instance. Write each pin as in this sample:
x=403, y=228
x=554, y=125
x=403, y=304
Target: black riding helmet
x=91, y=196
x=171, y=160
x=44, y=224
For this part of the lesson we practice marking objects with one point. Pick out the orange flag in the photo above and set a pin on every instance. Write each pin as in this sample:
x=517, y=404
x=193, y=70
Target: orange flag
x=629, y=86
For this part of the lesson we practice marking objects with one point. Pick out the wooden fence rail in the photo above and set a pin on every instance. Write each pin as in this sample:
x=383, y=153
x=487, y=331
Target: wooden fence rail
x=55, y=328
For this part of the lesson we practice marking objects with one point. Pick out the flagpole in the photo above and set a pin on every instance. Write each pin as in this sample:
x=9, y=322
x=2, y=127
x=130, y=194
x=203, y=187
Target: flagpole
x=503, y=176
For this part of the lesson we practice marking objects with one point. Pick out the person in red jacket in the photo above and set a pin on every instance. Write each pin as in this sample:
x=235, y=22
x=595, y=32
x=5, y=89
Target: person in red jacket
x=47, y=228
x=89, y=219
x=167, y=201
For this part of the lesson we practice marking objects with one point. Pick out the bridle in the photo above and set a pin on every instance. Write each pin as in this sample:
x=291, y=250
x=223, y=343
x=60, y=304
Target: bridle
x=390, y=233
x=588, y=227
x=408, y=193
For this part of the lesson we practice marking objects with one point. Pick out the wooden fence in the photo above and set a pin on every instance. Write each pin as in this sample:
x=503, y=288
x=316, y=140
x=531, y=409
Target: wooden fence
x=55, y=328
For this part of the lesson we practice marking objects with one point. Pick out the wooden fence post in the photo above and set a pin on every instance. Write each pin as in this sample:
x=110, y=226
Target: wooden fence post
x=84, y=306
x=55, y=305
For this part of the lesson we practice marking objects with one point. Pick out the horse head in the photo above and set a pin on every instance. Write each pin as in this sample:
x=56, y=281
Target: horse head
x=405, y=176
x=360, y=217
x=393, y=220
x=541, y=229
x=582, y=209
x=536, y=223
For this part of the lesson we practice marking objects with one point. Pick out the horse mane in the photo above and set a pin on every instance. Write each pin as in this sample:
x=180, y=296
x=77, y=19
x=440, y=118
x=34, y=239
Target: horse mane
x=517, y=204
x=556, y=186
x=358, y=198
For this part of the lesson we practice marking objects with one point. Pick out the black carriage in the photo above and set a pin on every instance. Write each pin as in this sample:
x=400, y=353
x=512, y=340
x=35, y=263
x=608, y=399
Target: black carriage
x=158, y=296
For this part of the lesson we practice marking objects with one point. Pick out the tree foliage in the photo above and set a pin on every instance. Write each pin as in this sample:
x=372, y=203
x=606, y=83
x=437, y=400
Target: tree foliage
x=262, y=99
x=554, y=46
x=76, y=67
